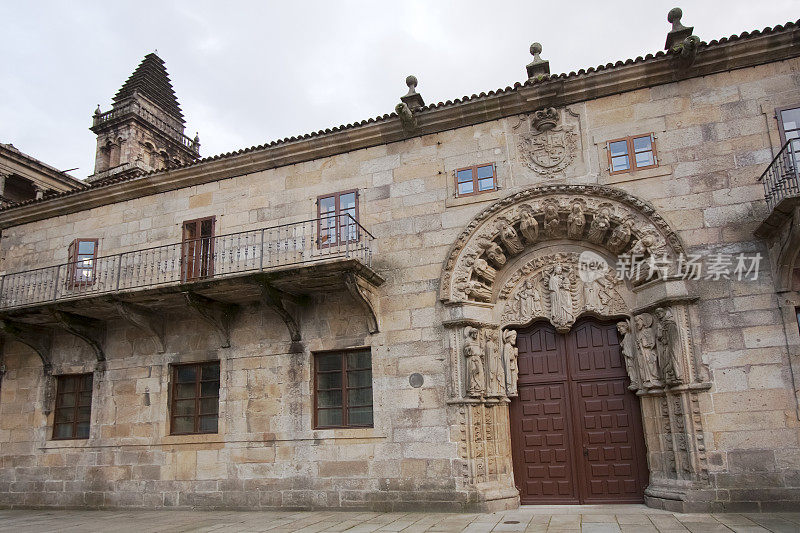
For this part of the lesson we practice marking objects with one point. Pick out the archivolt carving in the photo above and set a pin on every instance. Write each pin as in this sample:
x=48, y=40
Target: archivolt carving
x=604, y=216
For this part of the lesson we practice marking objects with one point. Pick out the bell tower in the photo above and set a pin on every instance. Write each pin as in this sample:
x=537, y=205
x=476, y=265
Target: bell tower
x=144, y=130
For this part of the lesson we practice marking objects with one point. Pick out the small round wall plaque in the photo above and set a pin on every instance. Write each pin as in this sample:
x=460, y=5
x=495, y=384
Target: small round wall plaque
x=416, y=380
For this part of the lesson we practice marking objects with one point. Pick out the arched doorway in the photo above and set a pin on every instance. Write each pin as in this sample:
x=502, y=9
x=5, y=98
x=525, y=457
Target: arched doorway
x=576, y=429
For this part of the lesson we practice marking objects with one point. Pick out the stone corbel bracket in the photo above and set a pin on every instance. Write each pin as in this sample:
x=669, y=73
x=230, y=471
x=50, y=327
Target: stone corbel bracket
x=39, y=339
x=219, y=315
x=145, y=320
x=363, y=294
x=92, y=331
x=274, y=299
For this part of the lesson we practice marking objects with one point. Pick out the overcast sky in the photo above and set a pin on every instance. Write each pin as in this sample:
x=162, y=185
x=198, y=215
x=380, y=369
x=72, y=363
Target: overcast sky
x=247, y=73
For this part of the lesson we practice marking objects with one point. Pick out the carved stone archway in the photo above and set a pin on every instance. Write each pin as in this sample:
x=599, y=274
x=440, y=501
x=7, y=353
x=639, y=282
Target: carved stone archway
x=550, y=253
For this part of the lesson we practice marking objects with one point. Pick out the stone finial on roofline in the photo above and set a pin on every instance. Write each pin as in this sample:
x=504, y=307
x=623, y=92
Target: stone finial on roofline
x=412, y=98
x=538, y=67
x=679, y=32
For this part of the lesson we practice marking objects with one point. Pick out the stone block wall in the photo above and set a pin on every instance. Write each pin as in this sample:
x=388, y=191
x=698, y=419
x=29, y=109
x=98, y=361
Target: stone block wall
x=714, y=136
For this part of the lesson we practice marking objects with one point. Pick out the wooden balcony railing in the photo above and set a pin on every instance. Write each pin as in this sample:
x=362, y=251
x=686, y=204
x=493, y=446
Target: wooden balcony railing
x=264, y=249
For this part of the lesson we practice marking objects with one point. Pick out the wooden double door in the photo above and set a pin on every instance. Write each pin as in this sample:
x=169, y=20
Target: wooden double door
x=576, y=429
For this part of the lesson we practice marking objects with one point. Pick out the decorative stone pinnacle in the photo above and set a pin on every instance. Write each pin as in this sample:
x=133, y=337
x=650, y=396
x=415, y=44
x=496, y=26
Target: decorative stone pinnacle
x=411, y=81
x=538, y=67
x=674, y=17
x=97, y=111
x=679, y=32
x=412, y=98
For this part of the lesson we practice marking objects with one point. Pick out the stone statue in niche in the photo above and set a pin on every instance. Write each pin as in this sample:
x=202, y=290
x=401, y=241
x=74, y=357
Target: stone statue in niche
x=576, y=221
x=599, y=226
x=509, y=237
x=552, y=224
x=493, y=251
x=529, y=300
x=494, y=363
x=628, y=347
x=528, y=225
x=646, y=341
x=476, y=380
x=668, y=342
x=560, y=287
x=476, y=290
x=620, y=237
x=510, y=355
x=482, y=268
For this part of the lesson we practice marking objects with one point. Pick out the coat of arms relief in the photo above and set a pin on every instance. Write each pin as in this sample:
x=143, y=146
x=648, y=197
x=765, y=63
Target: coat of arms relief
x=548, y=140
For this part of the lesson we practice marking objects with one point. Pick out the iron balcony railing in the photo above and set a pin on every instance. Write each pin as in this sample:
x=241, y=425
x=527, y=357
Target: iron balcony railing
x=204, y=258
x=781, y=177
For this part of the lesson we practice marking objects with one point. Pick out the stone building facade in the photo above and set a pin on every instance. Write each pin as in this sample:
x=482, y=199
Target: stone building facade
x=423, y=310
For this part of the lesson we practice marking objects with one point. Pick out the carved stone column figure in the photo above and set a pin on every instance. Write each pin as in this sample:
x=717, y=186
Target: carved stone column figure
x=552, y=224
x=494, y=362
x=647, y=358
x=477, y=290
x=620, y=237
x=599, y=226
x=628, y=347
x=669, y=347
x=510, y=238
x=576, y=221
x=482, y=268
x=528, y=224
x=493, y=252
x=510, y=355
x=476, y=379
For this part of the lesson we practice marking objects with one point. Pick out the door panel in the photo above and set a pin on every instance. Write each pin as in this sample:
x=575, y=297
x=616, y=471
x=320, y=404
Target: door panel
x=576, y=428
x=197, y=254
x=543, y=464
x=543, y=359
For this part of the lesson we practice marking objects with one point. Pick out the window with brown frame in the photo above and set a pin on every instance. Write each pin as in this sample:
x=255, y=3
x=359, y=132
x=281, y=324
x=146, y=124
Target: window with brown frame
x=475, y=180
x=632, y=153
x=73, y=411
x=343, y=389
x=82, y=264
x=195, y=398
x=338, y=218
x=197, y=254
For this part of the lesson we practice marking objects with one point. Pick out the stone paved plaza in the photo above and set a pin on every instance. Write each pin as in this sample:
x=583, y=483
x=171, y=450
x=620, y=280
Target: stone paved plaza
x=588, y=518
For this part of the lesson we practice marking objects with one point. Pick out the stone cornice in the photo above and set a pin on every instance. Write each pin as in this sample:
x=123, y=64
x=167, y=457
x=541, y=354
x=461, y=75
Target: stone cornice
x=745, y=51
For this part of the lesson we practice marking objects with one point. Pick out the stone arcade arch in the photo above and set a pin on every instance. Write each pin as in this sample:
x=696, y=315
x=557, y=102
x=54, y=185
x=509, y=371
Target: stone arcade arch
x=549, y=253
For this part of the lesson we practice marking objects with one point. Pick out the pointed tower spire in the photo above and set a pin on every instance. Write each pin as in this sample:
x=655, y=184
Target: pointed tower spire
x=150, y=79
x=144, y=130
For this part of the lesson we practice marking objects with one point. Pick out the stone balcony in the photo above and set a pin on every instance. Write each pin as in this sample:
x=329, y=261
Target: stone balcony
x=278, y=266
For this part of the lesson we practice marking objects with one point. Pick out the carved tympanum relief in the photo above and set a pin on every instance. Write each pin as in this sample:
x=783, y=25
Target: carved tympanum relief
x=557, y=287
